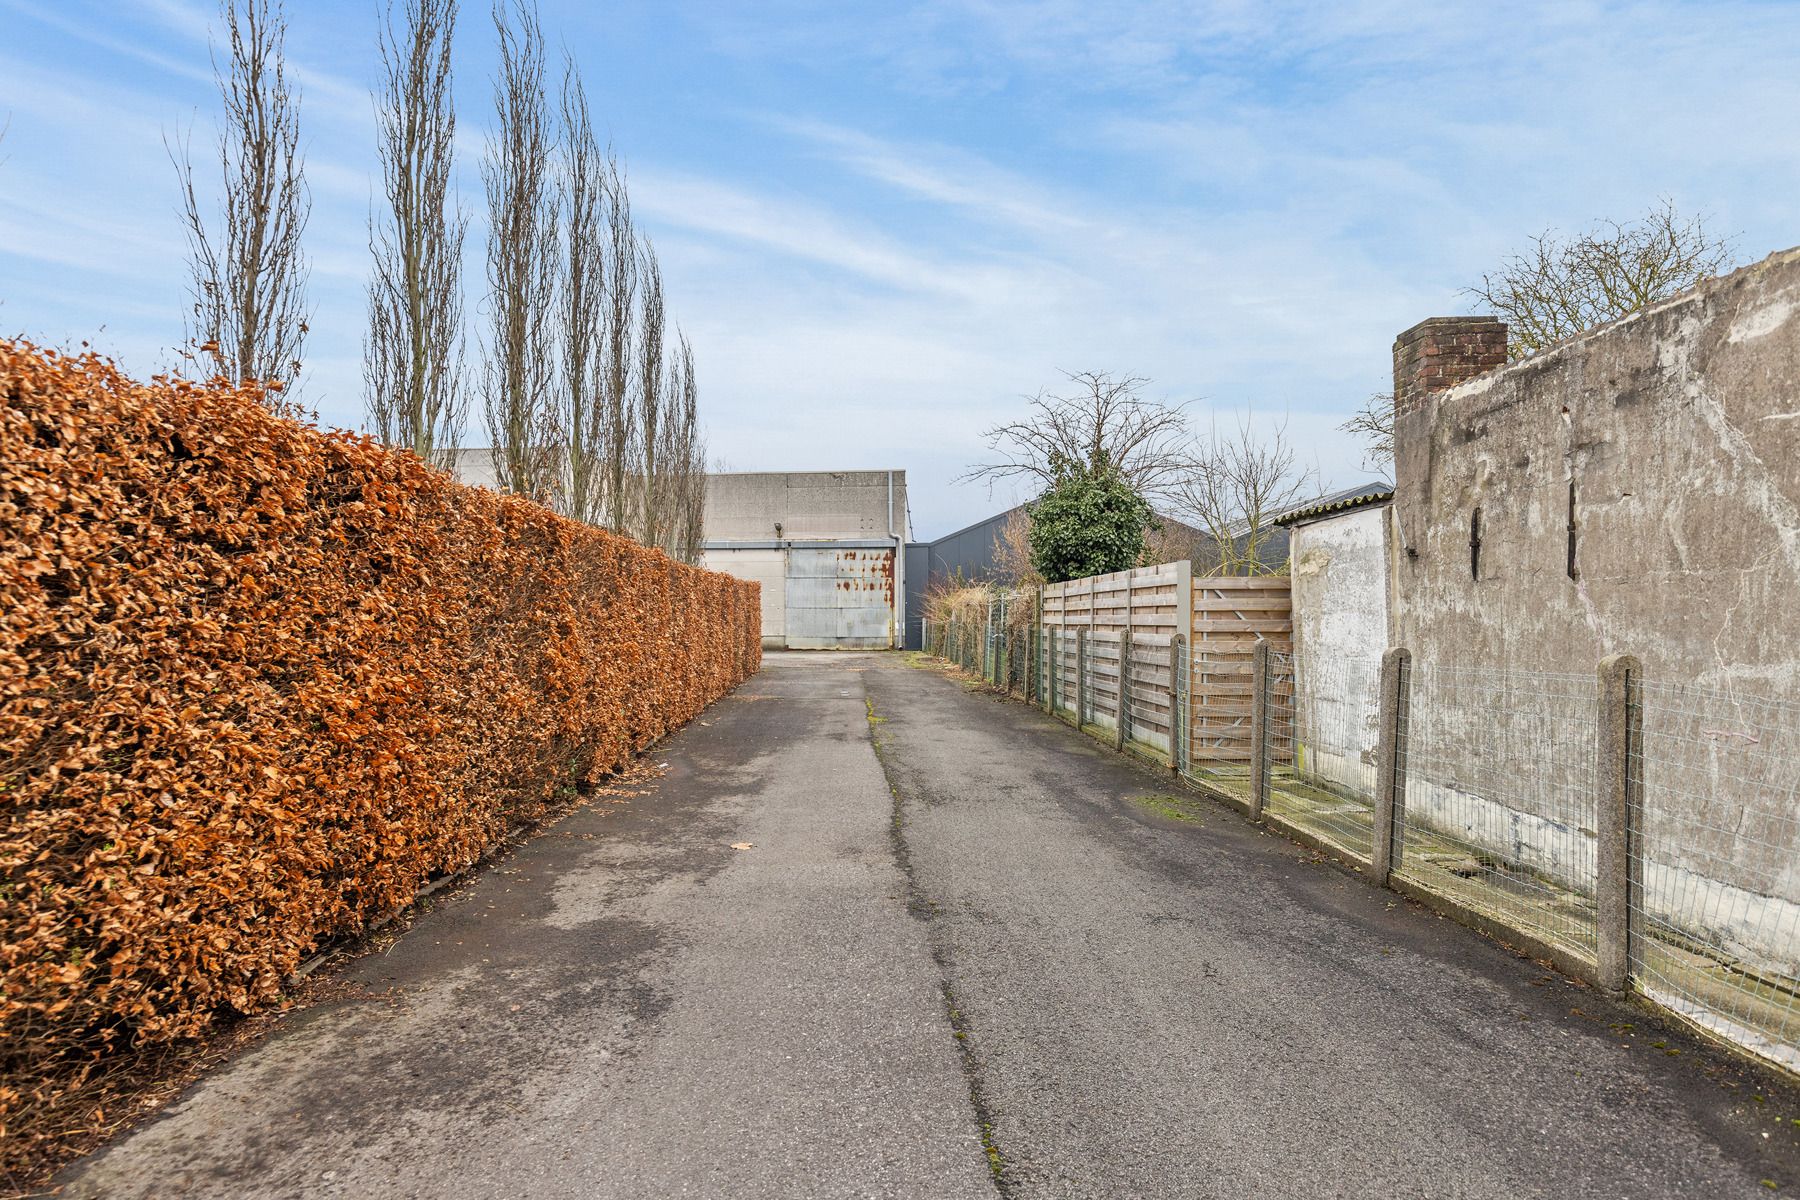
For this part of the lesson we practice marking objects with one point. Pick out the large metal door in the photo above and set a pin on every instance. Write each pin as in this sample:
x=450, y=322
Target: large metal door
x=840, y=599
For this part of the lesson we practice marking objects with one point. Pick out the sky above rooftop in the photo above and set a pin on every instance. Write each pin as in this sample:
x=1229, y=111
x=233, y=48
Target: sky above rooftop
x=884, y=224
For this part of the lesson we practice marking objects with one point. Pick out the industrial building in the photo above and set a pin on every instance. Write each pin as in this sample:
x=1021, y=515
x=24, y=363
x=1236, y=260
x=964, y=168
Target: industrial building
x=826, y=547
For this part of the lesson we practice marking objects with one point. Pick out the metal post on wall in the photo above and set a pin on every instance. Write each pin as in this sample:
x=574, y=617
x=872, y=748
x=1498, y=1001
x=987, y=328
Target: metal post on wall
x=1259, y=729
x=1390, y=780
x=1619, y=799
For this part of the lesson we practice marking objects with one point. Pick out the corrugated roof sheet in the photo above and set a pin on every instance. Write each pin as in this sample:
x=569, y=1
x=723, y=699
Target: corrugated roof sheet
x=1353, y=497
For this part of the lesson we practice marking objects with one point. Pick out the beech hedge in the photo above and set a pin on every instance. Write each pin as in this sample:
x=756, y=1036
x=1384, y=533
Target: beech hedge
x=260, y=683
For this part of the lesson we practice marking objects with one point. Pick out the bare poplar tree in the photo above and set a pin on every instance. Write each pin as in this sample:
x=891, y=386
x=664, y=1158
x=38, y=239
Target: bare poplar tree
x=249, y=272
x=584, y=426
x=519, y=375
x=680, y=482
x=412, y=353
x=621, y=312
x=1557, y=288
x=1236, y=486
x=692, y=493
x=650, y=401
x=1103, y=424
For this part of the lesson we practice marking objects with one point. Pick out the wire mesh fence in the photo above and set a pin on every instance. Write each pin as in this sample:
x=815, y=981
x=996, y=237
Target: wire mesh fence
x=1149, y=706
x=1324, y=727
x=1500, y=808
x=1716, y=901
x=1496, y=792
x=1105, y=658
x=1218, y=688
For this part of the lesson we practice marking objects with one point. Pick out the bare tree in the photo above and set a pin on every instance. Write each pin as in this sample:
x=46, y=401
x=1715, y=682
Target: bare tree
x=621, y=317
x=1374, y=424
x=1557, y=288
x=585, y=428
x=249, y=272
x=1169, y=540
x=1012, y=553
x=1237, y=485
x=412, y=353
x=680, y=481
x=650, y=401
x=691, y=495
x=1104, y=423
x=520, y=372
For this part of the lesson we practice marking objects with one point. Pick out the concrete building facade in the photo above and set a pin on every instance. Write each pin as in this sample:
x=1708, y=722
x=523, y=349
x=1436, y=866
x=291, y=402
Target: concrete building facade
x=1339, y=586
x=827, y=547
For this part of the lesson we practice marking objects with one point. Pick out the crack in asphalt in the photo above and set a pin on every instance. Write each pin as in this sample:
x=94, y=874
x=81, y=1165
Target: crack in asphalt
x=922, y=908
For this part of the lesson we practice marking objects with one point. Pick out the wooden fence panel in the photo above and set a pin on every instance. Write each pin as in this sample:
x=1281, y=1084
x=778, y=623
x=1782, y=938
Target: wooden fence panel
x=1229, y=616
x=1142, y=609
x=1130, y=619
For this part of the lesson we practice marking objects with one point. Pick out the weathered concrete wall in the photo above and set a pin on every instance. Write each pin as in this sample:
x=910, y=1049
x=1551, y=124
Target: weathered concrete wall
x=1635, y=490
x=1339, y=573
x=827, y=547
x=1340, y=614
x=767, y=567
x=746, y=506
x=1678, y=431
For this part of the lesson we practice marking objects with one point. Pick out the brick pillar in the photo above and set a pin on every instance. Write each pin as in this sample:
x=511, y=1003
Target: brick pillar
x=1441, y=352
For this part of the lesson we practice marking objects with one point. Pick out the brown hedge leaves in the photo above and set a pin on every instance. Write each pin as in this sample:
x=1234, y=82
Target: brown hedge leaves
x=258, y=684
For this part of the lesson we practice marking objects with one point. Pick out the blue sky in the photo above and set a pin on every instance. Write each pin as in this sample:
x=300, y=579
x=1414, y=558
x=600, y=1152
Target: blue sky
x=882, y=224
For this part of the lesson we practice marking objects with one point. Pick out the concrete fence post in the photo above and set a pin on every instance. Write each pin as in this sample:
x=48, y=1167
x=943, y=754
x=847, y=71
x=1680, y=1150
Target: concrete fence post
x=1390, y=765
x=1177, y=710
x=1029, y=679
x=1008, y=657
x=1618, y=801
x=1123, y=710
x=1034, y=670
x=1081, y=677
x=1259, y=729
x=997, y=638
x=1050, y=671
x=991, y=664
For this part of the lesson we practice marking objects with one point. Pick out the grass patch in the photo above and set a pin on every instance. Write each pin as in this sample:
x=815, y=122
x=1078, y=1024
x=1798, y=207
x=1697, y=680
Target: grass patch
x=1176, y=808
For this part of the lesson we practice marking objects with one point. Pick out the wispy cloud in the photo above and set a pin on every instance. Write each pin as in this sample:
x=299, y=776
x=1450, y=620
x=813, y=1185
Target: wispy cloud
x=883, y=223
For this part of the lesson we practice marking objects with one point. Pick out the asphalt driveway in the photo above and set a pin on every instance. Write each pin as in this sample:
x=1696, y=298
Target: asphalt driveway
x=966, y=952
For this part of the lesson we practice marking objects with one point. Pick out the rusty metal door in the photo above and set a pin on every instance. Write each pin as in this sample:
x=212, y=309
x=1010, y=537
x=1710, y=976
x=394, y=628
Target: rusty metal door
x=840, y=599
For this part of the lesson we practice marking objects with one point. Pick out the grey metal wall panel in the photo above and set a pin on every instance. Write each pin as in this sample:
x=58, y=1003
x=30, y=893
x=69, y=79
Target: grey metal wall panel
x=840, y=598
